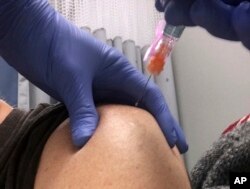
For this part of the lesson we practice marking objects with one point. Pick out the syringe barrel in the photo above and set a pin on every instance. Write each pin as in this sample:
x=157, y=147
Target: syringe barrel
x=161, y=49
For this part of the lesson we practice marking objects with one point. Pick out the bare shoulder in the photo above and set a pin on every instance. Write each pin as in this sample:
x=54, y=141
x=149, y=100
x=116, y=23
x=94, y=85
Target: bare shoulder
x=127, y=150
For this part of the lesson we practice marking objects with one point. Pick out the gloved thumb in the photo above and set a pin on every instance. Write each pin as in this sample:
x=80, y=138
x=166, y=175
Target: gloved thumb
x=83, y=116
x=241, y=20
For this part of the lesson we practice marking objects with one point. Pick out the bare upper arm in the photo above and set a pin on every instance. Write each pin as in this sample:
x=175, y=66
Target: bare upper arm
x=127, y=150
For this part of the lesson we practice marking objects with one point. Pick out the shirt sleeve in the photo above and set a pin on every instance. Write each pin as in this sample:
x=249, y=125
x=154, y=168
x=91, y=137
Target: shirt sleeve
x=9, y=125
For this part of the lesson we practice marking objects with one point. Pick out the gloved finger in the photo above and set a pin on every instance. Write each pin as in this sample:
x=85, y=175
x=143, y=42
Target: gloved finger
x=127, y=79
x=108, y=96
x=215, y=16
x=178, y=12
x=134, y=85
x=181, y=140
x=83, y=115
x=241, y=20
x=160, y=5
x=118, y=97
x=156, y=104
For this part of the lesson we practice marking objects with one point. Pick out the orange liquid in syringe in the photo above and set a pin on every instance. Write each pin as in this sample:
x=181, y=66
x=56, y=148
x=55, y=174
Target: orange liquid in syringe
x=156, y=62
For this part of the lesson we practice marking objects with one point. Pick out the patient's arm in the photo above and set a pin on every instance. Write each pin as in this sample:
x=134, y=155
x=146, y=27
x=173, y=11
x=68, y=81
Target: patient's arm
x=127, y=151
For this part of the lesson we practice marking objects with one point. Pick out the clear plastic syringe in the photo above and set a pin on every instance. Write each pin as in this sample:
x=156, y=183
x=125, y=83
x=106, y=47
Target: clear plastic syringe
x=159, y=51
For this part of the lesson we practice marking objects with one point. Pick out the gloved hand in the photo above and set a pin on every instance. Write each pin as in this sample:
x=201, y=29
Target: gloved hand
x=75, y=68
x=227, y=19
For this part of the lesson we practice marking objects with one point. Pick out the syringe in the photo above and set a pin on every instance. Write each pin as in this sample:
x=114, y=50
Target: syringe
x=160, y=50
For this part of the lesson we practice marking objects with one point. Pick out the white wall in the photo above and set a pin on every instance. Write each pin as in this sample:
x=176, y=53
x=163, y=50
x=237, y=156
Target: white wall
x=212, y=78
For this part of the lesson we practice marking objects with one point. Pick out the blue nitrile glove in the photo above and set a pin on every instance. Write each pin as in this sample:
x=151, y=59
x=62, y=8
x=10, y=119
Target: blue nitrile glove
x=75, y=68
x=227, y=19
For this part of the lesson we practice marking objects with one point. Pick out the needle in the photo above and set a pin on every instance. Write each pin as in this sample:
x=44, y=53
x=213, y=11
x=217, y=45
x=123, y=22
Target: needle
x=143, y=92
x=159, y=50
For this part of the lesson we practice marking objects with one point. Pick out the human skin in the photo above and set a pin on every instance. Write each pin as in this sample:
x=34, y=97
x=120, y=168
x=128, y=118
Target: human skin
x=128, y=150
x=5, y=109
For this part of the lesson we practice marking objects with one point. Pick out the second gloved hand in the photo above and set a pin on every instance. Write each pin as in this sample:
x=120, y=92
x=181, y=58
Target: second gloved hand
x=227, y=19
x=75, y=68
